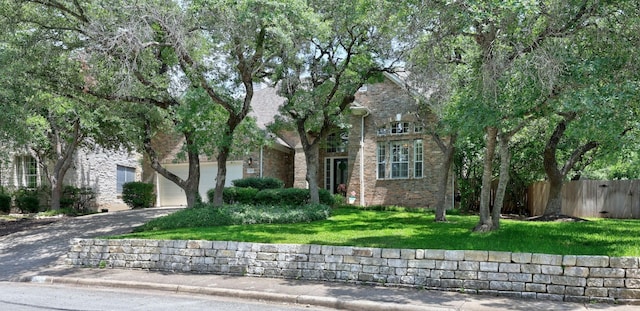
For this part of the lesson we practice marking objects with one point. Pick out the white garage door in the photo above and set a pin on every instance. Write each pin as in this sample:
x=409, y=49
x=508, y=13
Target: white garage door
x=169, y=194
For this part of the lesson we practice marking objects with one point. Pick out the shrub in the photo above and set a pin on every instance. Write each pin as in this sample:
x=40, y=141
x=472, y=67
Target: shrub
x=138, y=194
x=231, y=195
x=291, y=196
x=259, y=183
x=5, y=203
x=27, y=200
x=204, y=215
x=77, y=199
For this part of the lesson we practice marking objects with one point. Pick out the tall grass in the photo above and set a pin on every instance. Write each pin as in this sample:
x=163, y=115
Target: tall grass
x=417, y=230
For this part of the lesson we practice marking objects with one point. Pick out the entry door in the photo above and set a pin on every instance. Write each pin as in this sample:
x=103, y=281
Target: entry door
x=336, y=172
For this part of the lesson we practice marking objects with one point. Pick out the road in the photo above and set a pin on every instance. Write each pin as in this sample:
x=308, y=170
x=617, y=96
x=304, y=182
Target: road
x=29, y=252
x=33, y=297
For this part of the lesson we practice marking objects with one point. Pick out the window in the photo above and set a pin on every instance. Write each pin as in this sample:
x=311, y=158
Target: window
x=399, y=160
x=381, y=160
x=125, y=175
x=404, y=159
x=26, y=168
x=382, y=131
x=417, y=128
x=400, y=127
x=418, y=158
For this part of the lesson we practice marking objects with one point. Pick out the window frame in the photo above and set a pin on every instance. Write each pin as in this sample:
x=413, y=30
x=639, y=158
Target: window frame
x=399, y=159
x=418, y=158
x=123, y=174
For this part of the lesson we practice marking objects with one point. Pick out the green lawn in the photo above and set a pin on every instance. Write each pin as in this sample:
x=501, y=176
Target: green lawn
x=417, y=230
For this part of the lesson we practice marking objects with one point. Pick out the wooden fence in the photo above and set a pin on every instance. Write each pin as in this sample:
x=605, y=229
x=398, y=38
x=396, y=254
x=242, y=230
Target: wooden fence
x=590, y=198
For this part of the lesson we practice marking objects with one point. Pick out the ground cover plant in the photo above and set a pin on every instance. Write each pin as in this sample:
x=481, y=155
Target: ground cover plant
x=206, y=216
x=399, y=228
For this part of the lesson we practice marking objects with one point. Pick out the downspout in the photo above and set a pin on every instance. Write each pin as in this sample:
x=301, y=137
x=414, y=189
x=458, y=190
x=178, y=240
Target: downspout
x=261, y=160
x=362, y=203
x=363, y=112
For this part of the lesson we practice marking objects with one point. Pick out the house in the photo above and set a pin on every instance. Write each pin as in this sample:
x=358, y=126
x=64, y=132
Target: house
x=105, y=171
x=385, y=157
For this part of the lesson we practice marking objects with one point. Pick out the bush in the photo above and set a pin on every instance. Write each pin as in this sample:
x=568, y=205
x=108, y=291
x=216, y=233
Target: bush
x=204, y=215
x=231, y=195
x=27, y=200
x=138, y=194
x=291, y=196
x=5, y=203
x=77, y=199
x=259, y=183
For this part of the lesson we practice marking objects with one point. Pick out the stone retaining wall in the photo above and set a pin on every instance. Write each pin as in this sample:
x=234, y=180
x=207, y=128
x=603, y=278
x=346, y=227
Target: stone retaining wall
x=524, y=275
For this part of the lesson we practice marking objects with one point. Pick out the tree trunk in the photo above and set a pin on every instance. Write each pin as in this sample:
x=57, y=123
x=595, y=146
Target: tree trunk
x=448, y=151
x=556, y=175
x=192, y=183
x=505, y=161
x=221, y=177
x=485, y=224
x=311, y=155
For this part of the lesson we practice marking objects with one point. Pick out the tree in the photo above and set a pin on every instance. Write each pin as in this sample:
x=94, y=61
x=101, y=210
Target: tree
x=499, y=43
x=151, y=52
x=328, y=66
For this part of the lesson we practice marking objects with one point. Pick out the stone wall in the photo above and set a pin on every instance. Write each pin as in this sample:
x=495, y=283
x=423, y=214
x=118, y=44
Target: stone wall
x=521, y=275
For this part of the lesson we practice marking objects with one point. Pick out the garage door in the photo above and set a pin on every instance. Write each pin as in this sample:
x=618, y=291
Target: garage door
x=169, y=194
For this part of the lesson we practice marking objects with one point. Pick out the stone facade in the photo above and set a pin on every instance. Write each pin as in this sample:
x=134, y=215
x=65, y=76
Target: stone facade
x=521, y=275
x=95, y=168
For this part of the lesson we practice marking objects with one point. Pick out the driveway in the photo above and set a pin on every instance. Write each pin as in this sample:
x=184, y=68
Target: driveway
x=42, y=248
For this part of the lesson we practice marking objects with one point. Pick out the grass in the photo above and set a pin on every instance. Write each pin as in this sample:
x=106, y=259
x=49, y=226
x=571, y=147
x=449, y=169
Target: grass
x=417, y=230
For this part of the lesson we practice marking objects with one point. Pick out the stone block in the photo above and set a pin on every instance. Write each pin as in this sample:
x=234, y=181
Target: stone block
x=220, y=244
x=466, y=275
x=476, y=256
x=624, y=262
x=530, y=268
x=489, y=266
x=592, y=261
x=509, y=267
x=595, y=282
x=390, y=253
x=607, y=282
x=535, y=287
x=442, y=274
x=419, y=253
x=499, y=256
x=546, y=259
x=500, y=285
x=397, y=263
x=542, y=278
x=574, y=291
x=263, y=256
x=632, y=283
x=625, y=293
x=551, y=270
x=551, y=297
x=469, y=265
x=422, y=264
x=568, y=280
x=521, y=257
x=453, y=255
x=446, y=265
x=342, y=250
x=333, y=258
x=607, y=272
x=520, y=277
x=315, y=249
x=556, y=289
x=569, y=260
x=476, y=284
x=371, y=269
x=437, y=254
x=576, y=271
x=451, y=283
x=362, y=252
x=408, y=254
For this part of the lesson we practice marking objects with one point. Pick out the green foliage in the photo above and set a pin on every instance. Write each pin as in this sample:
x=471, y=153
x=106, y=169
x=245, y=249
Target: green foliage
x=5, y=203
x=292, y=196
x=259, y=183
x=138, y=194
x=27, y=200
x=414, y=230
x=77, y=199
x=231, y=195
x=205, y=215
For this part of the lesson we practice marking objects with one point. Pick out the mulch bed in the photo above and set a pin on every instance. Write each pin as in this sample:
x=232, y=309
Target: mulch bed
x=11, y=226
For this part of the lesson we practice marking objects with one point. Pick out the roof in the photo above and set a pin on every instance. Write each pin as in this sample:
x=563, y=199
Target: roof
x=265, y=105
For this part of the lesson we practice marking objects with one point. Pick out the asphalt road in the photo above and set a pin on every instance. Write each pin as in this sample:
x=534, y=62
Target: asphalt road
x=32, y=297
x=30, y=252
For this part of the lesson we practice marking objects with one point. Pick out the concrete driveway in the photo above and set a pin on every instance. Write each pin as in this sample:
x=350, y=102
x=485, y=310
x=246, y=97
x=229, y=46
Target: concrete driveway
x=36, y=250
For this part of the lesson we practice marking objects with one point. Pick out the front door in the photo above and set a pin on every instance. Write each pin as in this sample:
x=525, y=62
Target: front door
x=335, y=174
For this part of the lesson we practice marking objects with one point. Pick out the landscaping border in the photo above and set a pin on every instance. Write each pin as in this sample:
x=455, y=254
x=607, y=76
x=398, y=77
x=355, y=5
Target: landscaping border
x=521, y=275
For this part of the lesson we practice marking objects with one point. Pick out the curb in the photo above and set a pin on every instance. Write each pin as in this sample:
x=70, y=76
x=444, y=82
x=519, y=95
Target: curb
x=327, y=302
